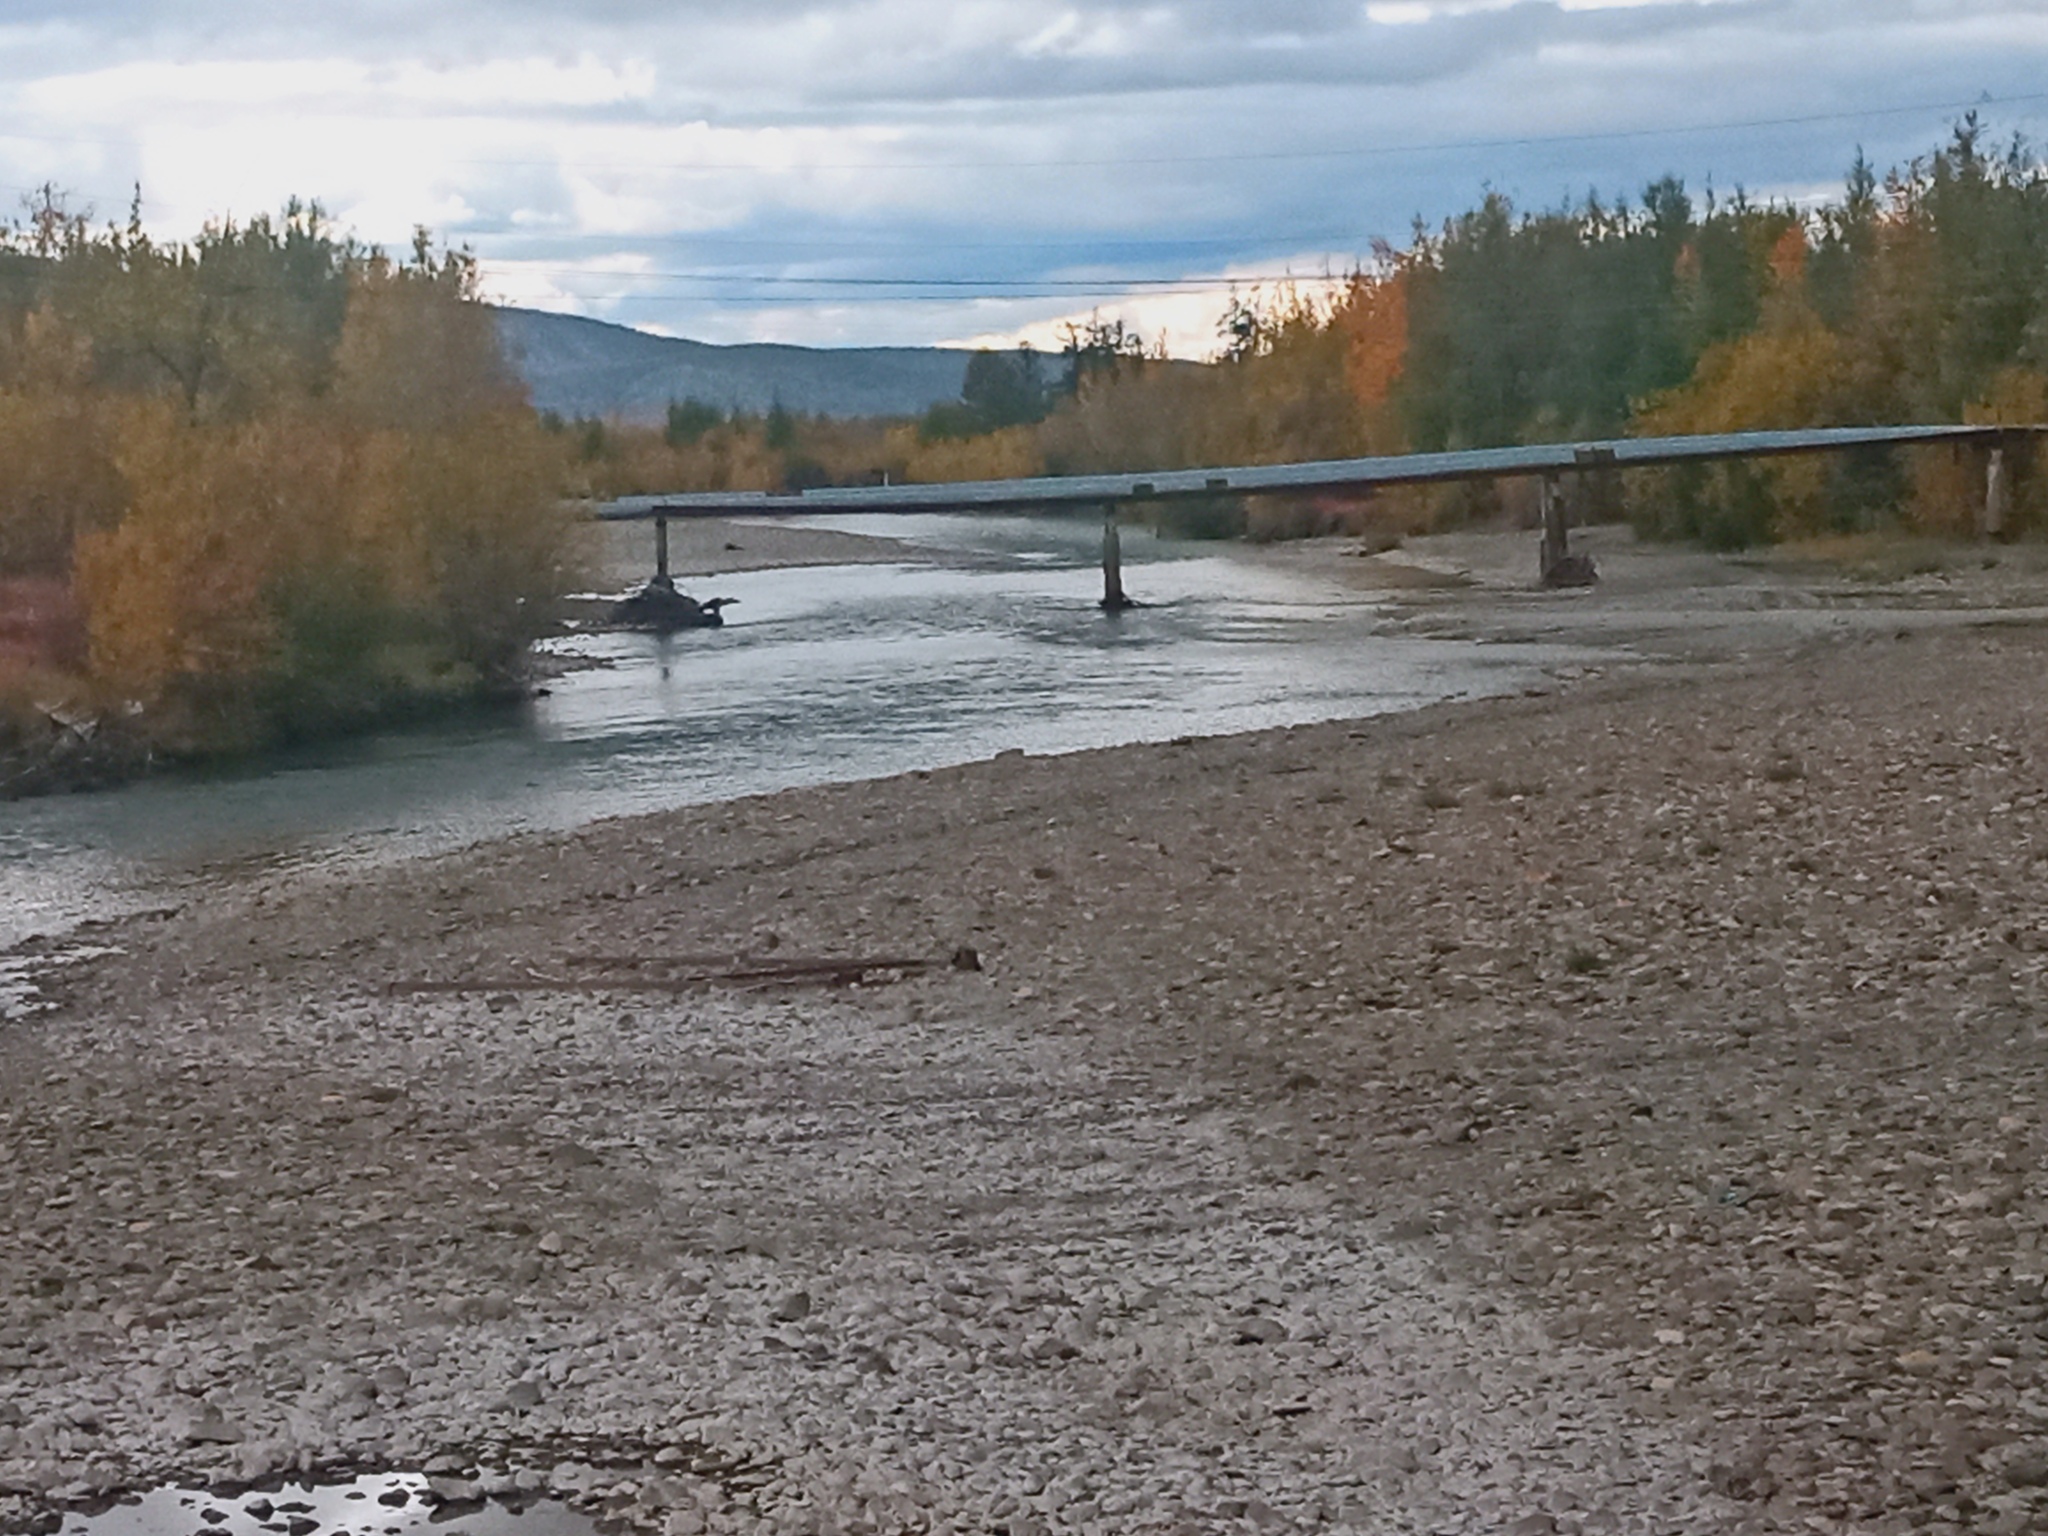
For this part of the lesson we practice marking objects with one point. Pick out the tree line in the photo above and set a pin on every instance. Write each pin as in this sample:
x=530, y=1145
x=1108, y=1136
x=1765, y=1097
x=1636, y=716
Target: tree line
x=269, y=481
x=1917, y=296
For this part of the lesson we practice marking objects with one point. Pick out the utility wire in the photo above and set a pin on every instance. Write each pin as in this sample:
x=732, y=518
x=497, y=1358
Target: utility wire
x=993, y=285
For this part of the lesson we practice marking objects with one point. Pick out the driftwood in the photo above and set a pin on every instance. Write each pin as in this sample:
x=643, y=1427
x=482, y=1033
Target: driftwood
x=690, y=973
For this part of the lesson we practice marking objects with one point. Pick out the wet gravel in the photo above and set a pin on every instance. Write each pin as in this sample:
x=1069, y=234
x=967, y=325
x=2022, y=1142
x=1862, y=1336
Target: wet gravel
x=1612, y=1111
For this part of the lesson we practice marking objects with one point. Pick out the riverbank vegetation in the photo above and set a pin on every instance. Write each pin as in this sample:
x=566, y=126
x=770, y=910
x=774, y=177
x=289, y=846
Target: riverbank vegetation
x=1919, y=296
x=270, y=482
x=264, y=484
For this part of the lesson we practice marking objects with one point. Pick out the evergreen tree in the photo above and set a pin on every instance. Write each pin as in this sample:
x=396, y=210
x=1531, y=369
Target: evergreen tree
x=1004, y=389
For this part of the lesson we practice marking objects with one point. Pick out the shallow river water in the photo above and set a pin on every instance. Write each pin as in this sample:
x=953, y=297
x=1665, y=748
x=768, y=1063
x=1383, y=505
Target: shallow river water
x=829, y=673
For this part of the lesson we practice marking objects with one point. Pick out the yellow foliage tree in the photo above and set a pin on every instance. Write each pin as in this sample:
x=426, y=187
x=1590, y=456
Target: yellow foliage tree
x=1009, y=454
x=475, y=508
x=1790, y=373
x=1948, y=487
x=60, y=479
x=178, y=589
x=416, y=350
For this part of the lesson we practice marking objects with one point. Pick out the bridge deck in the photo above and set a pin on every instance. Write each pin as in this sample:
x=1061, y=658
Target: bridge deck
x=1323, y=475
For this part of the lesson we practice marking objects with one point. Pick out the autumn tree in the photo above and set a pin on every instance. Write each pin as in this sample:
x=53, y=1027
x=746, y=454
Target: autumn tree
x=293, y=483
x=416, y=350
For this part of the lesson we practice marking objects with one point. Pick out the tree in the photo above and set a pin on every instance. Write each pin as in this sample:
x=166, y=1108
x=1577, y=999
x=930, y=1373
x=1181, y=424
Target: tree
x=292, y=482
x=1373, y=320
x=1099, y=349
x=1846, y=247
x=416, y=350
x=226, y=324
x=688, y=421
x=1005, y=389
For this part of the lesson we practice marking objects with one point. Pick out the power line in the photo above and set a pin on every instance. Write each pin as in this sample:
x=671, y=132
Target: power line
x=1092, y=242
x=994, y=285
x=955, y=289
x=756, y=301
x=1105, y=296
x=753, y=301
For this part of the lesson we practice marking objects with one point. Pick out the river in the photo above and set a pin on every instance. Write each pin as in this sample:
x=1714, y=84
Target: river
x=822, y=673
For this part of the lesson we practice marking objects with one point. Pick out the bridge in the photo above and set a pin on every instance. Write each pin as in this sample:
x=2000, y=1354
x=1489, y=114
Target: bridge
x=1549, y=461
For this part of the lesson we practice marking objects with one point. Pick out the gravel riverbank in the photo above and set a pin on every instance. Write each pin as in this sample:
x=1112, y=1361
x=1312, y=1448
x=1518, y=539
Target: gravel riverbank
x=714, y=546
x=1613, y=1111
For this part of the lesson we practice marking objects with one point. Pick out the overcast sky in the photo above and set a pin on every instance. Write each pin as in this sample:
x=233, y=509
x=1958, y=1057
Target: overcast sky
x=979, y=168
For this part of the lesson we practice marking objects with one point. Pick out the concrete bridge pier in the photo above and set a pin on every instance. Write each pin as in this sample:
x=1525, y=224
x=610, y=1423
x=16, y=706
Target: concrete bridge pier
x=1113, y=598
x=1556, y=565
x=1991, y=520
x=1555, y=549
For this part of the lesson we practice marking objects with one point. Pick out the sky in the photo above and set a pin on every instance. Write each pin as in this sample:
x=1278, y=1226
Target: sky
x=868, y=172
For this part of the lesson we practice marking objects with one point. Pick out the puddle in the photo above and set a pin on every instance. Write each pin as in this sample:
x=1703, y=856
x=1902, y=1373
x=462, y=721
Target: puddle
x=18, y=994
x=380, y=1504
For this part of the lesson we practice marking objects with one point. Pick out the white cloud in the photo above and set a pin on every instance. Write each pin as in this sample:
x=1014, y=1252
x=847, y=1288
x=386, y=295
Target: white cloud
x=143, y=88
x=608, y=154
x=1187, y=323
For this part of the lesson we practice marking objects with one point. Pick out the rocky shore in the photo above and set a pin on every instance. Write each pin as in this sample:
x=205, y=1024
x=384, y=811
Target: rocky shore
x=1620, y=1110
x=44, y=756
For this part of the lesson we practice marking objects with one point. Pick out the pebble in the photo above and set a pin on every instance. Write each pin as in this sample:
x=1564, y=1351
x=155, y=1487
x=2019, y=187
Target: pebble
x=1027, y=1332
x=1033, y=1228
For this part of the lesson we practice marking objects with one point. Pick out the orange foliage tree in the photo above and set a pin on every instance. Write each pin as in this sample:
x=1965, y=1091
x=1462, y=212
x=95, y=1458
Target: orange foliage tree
x=293, y=483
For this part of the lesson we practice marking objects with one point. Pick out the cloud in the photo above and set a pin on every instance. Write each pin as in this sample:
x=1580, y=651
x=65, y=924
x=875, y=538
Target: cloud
x=702, y=168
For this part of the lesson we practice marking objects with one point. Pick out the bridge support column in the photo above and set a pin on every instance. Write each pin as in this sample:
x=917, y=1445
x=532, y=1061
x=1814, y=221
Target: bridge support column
x=1113, y=599
x=1997, y=494
x=1557, y=566
x=661, y=575
x=1555, y=549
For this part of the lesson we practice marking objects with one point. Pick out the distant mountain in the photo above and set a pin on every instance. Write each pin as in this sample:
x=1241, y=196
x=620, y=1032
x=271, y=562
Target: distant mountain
x=579, y=367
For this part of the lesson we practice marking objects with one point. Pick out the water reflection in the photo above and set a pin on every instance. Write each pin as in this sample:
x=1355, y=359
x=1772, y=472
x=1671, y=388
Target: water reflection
x=382, y=1504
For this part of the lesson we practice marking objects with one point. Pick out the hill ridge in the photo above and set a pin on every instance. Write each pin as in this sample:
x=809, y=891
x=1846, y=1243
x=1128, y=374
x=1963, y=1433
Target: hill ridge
x=579, y=367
